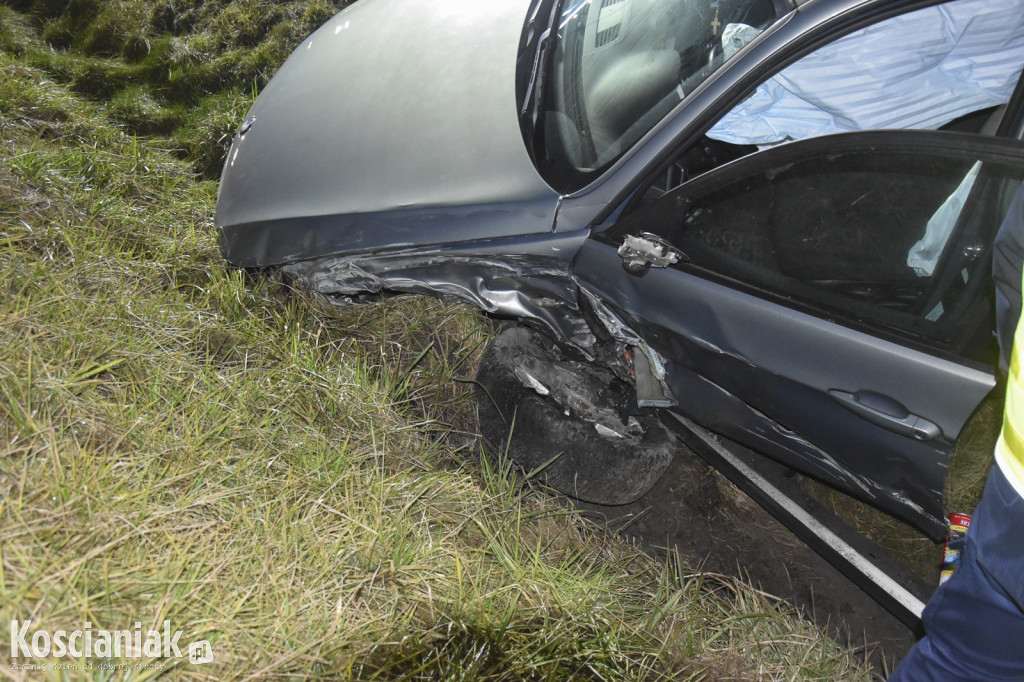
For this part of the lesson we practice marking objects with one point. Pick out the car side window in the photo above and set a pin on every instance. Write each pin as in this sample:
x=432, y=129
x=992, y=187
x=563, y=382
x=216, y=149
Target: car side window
x=619, y=66
x=870, y=228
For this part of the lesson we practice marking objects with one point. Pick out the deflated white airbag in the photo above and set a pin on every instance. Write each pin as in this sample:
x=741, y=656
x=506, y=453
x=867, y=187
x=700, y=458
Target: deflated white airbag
x=919, y=70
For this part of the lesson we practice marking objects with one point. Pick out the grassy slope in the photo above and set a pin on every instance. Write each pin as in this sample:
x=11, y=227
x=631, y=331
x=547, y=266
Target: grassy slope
x=279, y=477
x=183, y=69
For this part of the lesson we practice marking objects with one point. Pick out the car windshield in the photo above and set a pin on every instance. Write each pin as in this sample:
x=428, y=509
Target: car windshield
x=619, y=66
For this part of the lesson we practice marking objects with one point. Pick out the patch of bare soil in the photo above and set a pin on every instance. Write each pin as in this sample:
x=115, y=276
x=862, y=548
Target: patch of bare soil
x=720, y=530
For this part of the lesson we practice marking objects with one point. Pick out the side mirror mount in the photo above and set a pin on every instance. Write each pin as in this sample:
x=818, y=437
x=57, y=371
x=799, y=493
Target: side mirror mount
x=641, y=252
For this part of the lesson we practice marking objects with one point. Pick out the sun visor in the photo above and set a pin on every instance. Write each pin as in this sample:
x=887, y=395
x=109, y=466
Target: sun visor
x=918, y=70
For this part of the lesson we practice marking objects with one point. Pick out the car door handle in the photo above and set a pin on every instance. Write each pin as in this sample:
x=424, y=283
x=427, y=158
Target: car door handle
x=887, y=412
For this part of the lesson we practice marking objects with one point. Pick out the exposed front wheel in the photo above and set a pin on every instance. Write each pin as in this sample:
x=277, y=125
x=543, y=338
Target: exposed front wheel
x=573, y=423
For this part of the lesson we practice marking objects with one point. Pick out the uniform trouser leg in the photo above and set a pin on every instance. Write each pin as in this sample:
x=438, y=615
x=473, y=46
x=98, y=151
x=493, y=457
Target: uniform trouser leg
x=974, y=623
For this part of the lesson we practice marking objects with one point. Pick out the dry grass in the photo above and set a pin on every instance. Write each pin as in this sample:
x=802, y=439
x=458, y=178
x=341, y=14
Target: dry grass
x=297, y=484
x=973, y=456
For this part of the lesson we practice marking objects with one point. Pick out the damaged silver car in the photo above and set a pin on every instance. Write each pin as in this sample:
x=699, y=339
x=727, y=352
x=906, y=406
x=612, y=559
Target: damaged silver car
x=771, y=219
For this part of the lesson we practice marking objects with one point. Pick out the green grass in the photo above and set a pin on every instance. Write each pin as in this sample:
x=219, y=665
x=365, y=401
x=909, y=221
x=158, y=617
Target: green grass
x=296, y=483
x=186, y=69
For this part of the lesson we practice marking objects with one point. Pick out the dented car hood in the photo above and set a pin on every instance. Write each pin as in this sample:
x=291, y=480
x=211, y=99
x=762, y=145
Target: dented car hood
x=354, y=147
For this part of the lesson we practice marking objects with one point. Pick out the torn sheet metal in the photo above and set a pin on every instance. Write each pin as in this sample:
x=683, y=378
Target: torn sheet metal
x=650, y=388
x=582, y=439
x=650, y=375
x=536, y=288
x=918, y=70
x=578, y=389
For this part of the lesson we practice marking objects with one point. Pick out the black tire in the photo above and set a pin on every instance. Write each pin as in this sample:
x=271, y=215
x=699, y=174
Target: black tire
x=579, y=437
